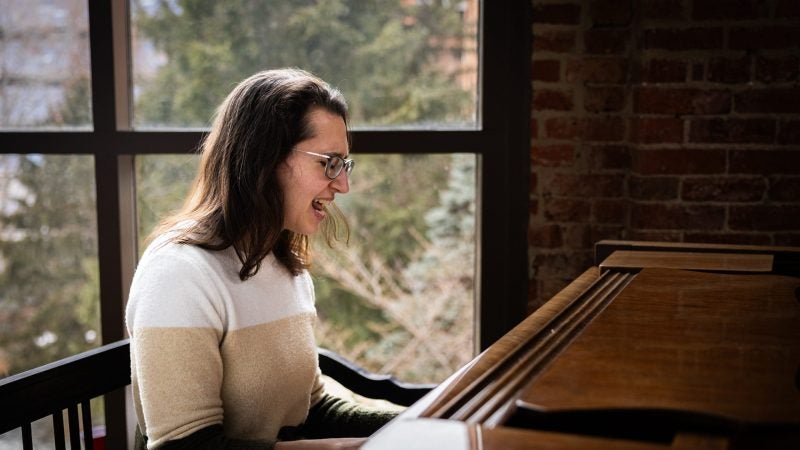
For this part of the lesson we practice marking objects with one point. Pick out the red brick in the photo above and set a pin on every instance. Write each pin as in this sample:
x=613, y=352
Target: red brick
x=698, y=72
x=610, y=12
x=566, y=210
x=738, y=131
x=662, y=9
x=763, y=38
x=788, y=239
x=578, y=236
x=586, y=185
x=533, y=180
x=596, y=70
x=678, y=161
x=557, y=14
x=653, y=188
x=553, y=41
x=656, y=130
x=552, y=155
x=611, y=157
x=606, y=41
x=665, y=71
x=552, y=286
x=729, y=70
x=604, y=129
x=550, y=100
x=765, y=162
x=683, y=39
x=599, y=100
x=610, y=211
x=781, y=101
x=655, y=236
x=548, y=265
x=789, y=132
x=727, y=189
x=590, y=129
x=721, y=10
x=764, y=217
x=655, y=216
x=778, y=69
x=533, y=207
x=728, y=238
x=600, y=232
x=676, y=101
x=547, y=235
x=575, y=262
x=533, y=296
x=534, y=128
x=784, y=188
x=546, y=70
x=787, y=8
x=562, y=128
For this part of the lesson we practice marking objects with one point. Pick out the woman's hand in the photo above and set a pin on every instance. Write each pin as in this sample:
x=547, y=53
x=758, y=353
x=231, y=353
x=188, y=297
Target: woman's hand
x=320, y=444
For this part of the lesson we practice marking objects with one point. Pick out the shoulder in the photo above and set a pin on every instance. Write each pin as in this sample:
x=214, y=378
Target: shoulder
x=177, y=285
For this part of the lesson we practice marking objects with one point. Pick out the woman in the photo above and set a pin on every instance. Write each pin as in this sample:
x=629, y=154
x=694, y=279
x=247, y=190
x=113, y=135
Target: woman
x=221, y=309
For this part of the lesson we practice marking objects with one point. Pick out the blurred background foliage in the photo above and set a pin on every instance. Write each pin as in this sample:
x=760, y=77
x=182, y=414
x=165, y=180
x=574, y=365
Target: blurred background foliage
x=399, y=298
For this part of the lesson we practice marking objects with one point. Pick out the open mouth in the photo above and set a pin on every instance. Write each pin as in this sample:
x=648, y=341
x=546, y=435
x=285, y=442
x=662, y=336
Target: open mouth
x=319, y=205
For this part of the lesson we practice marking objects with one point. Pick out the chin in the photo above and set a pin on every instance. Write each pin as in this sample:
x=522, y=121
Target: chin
x=307, y=230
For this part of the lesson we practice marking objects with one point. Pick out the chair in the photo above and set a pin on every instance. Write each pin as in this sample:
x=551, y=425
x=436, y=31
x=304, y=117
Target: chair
x=70, y=384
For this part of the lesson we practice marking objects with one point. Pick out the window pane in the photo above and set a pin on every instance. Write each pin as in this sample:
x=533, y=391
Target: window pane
x=44, y=64
x=399, y=297
x=49, y=307
x=401, y=64
x=162, y=183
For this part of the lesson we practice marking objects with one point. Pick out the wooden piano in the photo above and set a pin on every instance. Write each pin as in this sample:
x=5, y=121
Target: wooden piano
x=685, y=346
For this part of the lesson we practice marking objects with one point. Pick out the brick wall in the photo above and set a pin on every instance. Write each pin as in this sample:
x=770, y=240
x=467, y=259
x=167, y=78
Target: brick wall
x=668, y=120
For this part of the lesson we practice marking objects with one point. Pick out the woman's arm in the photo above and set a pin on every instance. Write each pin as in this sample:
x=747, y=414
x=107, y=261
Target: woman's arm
x=332, y=416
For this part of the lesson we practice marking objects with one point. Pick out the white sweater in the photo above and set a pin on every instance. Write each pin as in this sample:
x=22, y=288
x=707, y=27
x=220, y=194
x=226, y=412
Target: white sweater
x=207, y=348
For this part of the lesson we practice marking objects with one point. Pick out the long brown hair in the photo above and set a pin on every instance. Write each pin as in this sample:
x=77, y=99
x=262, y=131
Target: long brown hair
x=236, y=199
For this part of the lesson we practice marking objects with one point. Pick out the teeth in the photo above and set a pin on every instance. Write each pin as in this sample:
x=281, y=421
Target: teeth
x=320, y=204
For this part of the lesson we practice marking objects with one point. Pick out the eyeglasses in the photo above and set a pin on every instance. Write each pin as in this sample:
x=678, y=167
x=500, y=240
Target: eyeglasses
x=334, y=164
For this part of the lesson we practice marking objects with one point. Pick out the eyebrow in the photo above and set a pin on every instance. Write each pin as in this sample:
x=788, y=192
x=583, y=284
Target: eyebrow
x=336, y=154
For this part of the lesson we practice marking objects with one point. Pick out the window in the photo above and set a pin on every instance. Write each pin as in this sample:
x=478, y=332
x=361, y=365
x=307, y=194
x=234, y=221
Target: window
x=399, y=63
x=44, y=65
x=406, y=223
x=487, y=132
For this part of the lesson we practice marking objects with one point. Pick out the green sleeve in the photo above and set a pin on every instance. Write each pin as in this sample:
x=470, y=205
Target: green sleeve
x=334, y=417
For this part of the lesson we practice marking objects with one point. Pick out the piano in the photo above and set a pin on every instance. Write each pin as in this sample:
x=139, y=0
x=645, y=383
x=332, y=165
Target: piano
x=657, y=346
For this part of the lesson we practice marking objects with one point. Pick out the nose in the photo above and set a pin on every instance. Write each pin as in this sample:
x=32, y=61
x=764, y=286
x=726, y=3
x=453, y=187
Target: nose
x=341, y=183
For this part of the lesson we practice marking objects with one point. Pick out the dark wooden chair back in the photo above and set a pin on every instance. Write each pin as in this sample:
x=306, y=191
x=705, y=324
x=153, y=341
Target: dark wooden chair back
x=66, y=384
x=70, y=384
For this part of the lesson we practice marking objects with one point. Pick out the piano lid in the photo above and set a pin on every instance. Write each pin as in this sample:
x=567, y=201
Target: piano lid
x=715, y=344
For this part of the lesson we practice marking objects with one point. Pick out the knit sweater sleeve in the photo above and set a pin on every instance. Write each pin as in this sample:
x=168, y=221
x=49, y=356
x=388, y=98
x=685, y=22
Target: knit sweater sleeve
x=332, y=416
x=177, y=369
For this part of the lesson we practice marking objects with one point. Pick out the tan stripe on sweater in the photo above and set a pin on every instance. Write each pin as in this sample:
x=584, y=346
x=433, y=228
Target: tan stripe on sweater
x=269, y=373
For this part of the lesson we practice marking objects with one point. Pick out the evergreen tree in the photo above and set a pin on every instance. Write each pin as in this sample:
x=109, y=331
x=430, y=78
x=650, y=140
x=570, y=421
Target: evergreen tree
x=382, y=54
x=49, y=285
x=49, y=282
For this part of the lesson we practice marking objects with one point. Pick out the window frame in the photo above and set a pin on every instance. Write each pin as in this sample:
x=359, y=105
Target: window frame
x=501, y=144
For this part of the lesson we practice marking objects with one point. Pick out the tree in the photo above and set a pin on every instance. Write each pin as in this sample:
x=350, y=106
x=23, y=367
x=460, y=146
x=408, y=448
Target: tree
x=49, y=278
x=49, y=284
x=386, y=56
x=382, y=54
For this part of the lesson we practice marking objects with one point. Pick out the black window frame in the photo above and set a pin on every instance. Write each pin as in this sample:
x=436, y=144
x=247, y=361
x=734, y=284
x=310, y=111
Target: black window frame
x=501, y=144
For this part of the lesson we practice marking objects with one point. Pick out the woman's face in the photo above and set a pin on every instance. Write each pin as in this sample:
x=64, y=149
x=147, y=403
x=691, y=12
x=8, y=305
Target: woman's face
x=306, y=189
